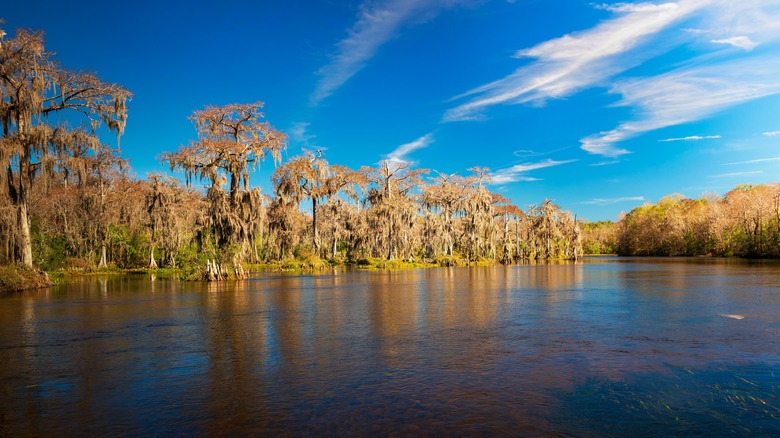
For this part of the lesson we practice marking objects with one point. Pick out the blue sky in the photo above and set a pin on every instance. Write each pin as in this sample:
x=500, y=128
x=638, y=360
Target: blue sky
x=600, y=106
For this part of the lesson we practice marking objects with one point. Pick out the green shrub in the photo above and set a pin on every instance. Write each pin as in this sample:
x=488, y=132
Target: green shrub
x=448, y=261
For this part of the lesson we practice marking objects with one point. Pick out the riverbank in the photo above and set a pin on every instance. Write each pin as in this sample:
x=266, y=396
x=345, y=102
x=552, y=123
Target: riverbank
x=16, y=279
x=310, y=263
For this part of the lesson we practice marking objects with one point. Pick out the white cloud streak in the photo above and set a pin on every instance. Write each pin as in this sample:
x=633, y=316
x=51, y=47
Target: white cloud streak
x=741, y=42
x=691, y=138
x=576, y=61
x=757, y=161
x=772, y=133
x=686, y=95
x=687, y=91
x=605, y=163
x=399, y=155
x=299, y=135
x=636, y=7
x=377, y=23
x=705, y=85
x=610, y=201
x=737, y=174
x=517, y=172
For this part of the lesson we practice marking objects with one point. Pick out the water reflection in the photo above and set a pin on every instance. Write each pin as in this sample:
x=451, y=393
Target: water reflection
x=451, y=350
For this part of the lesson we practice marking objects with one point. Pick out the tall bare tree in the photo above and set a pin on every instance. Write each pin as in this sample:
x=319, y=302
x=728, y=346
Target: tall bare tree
x=232, y=141
x=310, y=177
x=390, y=202
x=446, y=195
x=33, y=87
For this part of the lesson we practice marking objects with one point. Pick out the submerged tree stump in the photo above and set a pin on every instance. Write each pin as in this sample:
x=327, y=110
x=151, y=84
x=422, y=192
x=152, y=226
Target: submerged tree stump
x=215, y=272
x=239, y=271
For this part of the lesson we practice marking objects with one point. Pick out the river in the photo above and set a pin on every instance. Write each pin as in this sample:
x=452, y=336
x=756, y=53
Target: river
x=607, y=346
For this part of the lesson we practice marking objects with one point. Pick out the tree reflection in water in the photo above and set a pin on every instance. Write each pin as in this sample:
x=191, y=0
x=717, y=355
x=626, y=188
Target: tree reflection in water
x=529, y=349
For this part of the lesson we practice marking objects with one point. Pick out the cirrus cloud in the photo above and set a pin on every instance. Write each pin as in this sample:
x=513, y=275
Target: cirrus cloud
x=575, y=61
x=707, y=82
x=741, y=42
x=610, y=201
x=399, y=155
x=691, y=138
x=517, y=172
x=377, y=23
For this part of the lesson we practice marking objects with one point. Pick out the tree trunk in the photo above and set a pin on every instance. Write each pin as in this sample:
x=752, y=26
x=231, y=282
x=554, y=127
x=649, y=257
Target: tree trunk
x=171, y=259
x=315, y=237
x=24, y=233
x=390, y=251
x=102, y=263
x=152, y=262
x=505, y=250
x=22, y=210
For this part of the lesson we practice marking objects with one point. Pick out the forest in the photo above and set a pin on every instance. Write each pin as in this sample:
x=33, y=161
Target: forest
x=70, y=201
x=745, y=222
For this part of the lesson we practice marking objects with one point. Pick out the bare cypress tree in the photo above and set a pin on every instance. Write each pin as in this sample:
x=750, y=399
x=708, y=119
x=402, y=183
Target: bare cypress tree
x=232, y=141
x=447, y=196
x=391, y=205
x=33, y=87
x=310, y=177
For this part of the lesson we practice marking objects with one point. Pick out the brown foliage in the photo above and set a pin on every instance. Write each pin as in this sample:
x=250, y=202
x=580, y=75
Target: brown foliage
x=232, y=140
x=33, y=86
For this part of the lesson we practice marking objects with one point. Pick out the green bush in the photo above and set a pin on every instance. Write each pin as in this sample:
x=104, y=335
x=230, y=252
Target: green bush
x=448, y=261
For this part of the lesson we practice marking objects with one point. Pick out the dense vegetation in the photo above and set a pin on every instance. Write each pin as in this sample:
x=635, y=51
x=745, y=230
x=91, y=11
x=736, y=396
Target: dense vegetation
x=745, y=222
x=68, y=200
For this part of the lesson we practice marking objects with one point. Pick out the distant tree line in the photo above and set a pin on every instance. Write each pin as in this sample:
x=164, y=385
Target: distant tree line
x=69, y=200
x=745, y=222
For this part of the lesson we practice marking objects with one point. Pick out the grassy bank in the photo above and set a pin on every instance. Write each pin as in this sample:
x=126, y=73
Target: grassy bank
x=14, y=279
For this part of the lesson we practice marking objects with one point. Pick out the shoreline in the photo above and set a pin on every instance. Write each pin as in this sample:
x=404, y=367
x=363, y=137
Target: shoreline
x=14, y=279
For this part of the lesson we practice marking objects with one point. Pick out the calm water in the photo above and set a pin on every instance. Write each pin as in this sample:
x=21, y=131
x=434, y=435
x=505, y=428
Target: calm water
x=604, y=347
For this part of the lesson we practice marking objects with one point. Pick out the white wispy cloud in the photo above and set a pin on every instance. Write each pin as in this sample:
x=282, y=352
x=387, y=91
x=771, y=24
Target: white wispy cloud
x=736, y=174
x=706, y=84
x=741, y=42
x=691, y=138
x=298, y=133
x=686, y=95
x=605, y=163
x=635, y=7
x=756, y=161
x=686, y=91
x=609, y=201
x=399, y=155
x=523, y=153
x=517, y=172
x=576, y=61
x=772, y=133
x=377, y=23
